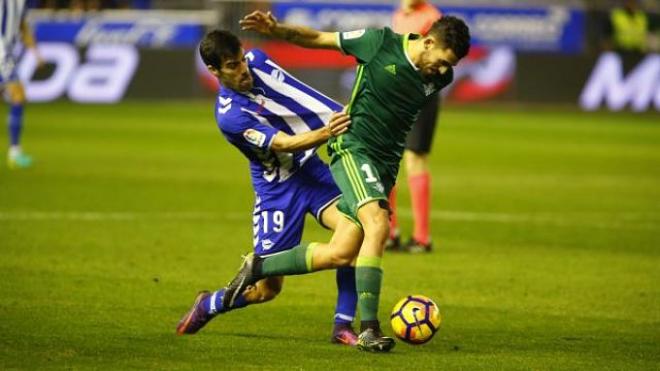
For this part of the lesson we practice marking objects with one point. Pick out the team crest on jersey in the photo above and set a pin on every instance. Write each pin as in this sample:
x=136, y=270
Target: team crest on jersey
x=353, y=34
x=429, y=89
x=266, y=244
x=255, y=137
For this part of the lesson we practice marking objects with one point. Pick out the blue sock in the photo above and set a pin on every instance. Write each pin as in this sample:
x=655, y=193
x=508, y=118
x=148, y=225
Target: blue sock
x=213, y=303
x=15, y=123
x=346, y=295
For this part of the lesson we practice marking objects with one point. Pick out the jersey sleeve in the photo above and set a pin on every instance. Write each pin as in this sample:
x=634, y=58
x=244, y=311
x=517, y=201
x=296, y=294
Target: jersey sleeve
x=256, y=57
x=246, y=130
x=362, y=44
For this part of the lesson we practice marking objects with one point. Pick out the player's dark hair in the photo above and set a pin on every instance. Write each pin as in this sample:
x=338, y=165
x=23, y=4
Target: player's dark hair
x=453, y=33
x=218, y=44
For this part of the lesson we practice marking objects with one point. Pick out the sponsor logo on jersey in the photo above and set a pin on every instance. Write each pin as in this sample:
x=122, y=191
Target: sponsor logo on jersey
x=350, y=35
x=225, y=103
x=391, y=69
x=429, y=89
x=277, y=75
x=266, y=244
x=255, y=137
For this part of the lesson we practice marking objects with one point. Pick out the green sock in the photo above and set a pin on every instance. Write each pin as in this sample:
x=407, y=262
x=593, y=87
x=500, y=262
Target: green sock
x=297, y=260
x=368, y=278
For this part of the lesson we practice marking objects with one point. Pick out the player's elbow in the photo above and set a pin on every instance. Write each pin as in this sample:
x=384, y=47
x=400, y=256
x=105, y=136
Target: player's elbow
x=282, y=143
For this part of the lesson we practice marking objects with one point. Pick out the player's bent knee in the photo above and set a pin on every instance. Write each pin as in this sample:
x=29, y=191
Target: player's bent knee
x=342, y=259
x=343, y=253
x=376, y=224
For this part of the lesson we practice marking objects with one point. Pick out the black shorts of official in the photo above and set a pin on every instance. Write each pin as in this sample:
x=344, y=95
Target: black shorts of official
x=420, y=137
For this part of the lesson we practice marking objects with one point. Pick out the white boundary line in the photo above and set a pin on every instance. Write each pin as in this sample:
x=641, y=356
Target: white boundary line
x=94, y=216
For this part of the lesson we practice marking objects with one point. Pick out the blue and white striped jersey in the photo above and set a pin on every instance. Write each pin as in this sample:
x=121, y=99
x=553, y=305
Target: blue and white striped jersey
x=12, y=13
x=277, y=102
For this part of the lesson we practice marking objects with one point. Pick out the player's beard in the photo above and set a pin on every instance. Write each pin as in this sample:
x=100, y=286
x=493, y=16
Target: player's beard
x=246, y=83
x=429, y=71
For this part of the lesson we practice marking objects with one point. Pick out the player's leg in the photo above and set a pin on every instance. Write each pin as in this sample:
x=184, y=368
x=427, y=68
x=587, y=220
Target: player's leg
x=263, y=291
x=362, y=190
x=208, y=305
x=419, y=183
x=344, y=245
x=394, y=241
x=418, y=147
x=15, y=94
x=323, y=199
x=369, y=275
x=365, y=185
x=278, y=223
x=342, y=331
x=307, y=257
x=301, y=259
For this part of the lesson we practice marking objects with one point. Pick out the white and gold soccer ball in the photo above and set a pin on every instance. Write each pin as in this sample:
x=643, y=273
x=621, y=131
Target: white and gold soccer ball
x=415, y=319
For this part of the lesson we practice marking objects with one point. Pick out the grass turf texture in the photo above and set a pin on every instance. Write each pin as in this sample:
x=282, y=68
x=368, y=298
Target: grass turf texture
x=546, y=225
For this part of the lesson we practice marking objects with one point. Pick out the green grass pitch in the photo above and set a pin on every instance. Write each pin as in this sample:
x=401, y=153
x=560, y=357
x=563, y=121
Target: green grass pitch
x=546, y=223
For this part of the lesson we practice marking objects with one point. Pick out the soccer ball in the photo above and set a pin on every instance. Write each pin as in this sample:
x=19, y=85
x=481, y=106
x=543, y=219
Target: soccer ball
x=415, y=319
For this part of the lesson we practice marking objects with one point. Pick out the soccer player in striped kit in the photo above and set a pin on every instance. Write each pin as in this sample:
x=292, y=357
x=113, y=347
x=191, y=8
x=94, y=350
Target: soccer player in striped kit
x=14, y=30
x=277, y=122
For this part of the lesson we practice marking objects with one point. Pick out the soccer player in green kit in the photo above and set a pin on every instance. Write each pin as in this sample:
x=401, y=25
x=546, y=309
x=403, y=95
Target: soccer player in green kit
x=397, y=74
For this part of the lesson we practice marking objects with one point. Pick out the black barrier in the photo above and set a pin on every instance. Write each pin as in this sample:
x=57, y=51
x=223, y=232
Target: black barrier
x=166, y=74
x=607, y=81
x=543, y=78
x=109, y=73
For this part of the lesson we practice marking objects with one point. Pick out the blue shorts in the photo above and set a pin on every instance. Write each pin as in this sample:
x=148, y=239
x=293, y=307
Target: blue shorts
x=279, y=212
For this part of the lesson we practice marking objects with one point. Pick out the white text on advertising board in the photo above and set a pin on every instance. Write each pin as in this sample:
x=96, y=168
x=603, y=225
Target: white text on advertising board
x=102, y=78
x=640, y=89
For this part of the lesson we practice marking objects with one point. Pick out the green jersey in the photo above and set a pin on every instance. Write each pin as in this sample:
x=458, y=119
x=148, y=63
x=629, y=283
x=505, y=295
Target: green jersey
x=388, y=94
x=389, y=91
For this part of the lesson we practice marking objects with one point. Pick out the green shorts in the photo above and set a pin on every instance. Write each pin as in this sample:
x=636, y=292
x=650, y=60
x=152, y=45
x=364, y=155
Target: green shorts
x=360, y=177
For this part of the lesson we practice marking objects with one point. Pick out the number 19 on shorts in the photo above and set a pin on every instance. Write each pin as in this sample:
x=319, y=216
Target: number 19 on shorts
x=271, y=221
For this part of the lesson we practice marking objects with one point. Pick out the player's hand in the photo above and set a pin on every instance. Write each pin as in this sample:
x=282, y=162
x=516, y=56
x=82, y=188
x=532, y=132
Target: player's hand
x=263, y=23
x=339, y=123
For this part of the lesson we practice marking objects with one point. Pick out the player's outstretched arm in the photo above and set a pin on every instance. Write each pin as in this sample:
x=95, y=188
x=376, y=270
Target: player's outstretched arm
x=267, y=24
x=282, y=142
